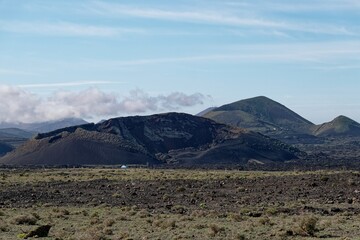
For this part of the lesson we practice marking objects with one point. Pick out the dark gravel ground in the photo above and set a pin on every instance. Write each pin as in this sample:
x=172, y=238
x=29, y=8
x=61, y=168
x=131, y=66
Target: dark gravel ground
x=226, y=195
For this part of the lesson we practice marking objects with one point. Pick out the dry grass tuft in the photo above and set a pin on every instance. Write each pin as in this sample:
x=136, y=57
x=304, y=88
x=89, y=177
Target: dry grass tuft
x=24, y=220
x=215, y=229
x=3, y=226
x=109, y=222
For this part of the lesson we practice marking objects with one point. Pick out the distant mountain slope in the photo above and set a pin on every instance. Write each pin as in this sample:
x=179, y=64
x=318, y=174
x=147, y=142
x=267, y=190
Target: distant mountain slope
x=340, y=126
x=14, y=136
x=15, y=132
x=53, y=125
x=5, y=148
x=162, y=138
x=202, y=113
x=263, y=115
x=46, y=126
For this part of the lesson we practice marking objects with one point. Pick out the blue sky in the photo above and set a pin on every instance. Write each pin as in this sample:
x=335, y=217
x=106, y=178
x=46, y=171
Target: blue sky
x=99, y=59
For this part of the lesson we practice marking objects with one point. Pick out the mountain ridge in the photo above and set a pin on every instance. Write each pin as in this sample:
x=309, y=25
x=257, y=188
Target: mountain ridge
x=45, y=126
x=263, y=115
x=170, y=138
x=339, y=126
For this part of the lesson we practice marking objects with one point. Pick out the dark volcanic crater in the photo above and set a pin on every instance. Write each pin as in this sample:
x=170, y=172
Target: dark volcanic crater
x=164, y=138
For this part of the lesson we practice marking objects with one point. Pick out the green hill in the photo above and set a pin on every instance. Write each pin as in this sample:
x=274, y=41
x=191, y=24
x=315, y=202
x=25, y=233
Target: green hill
x=340, y=126
x=261, y=114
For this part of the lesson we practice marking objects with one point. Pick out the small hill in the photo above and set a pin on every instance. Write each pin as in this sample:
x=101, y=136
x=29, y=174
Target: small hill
x=340, y=126
x=175, y=138
x=263, y=115
x=14, y=136
x=45, y=126
x=15, y=133
x=5, y=148
x=202, y=113
x=53, y=125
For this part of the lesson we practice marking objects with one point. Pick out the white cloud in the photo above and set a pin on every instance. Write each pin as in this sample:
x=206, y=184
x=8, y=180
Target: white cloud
x=19, y=105
x=15, y=102
x=4, y=71
x=64, y=29
x=310, y=6
x=65, y=84
x=227, y=17
x=213, y=17
x=318, y=52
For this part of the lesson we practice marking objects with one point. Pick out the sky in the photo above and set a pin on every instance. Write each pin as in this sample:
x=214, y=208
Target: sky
x=100, y=59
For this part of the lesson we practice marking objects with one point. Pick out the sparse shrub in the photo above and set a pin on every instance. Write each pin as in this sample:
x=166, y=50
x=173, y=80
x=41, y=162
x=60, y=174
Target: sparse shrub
x=255, y=214
x=179, y=209
x=165, y=197
x=90, y=235
x=271, y=211
x=351, y=182
x=239, y=237
x=307, y=226
x=37, y=216
x=108, y=231
x=199, y=213
x=123, y=235
x=117, y=195
x=203, y=205
x=170, y=223
x=109, y=222
x=132, y=213
x=122, y=218
x=3, y=226
x=95, y=214
x=200, y=226
x=324, y=178
x=289, y=233
x=215, y=229
x=143, y=214
x=64, y=212
x=235, y=217
x=24, y=220
x=265, y=221
x=245, y=211
x=94, y=221
x=21, y=235
x=61, y=213
x=180, y=189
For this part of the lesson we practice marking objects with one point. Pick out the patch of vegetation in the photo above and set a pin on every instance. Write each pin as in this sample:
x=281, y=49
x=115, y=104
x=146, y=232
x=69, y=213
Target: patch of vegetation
x=206, y=209
x=24, y=220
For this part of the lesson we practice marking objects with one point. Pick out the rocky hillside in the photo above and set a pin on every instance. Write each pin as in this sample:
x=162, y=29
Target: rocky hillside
x=340, y=126
x=172, y=138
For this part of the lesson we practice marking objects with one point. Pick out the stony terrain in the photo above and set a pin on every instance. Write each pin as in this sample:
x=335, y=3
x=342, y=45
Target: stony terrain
x=180, y=204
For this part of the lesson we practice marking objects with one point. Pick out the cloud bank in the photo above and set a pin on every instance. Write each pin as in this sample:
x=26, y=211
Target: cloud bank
x=20, y=105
